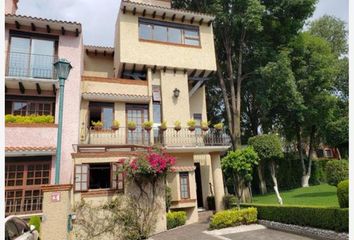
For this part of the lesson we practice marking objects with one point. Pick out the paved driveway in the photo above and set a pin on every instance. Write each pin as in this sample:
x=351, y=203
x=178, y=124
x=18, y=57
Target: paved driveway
x=265, y=234
x=189, y=232
x=196, y=232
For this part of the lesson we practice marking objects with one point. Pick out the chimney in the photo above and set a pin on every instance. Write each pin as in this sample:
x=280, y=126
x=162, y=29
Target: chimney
x=159, y=3
x=10, y=6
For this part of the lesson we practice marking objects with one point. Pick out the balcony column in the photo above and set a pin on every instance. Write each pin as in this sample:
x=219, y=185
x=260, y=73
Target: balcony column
x=151, y=112
x=218, y=182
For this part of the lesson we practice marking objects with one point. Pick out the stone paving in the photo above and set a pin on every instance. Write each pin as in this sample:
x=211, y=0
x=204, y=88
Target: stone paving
x=197, y=232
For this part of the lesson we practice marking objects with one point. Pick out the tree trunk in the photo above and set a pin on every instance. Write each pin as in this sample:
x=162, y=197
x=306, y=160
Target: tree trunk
x=306, y=177
x=236, y=190
x=275, y=182
x=299, y=149
x=234, y=128
x=262, y=182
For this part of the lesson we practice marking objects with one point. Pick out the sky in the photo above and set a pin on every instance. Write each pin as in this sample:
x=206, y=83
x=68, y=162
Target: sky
x=98, y=17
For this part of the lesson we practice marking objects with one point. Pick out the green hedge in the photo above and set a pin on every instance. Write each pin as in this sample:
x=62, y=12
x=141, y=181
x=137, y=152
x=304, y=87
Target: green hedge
x=229, y=201
x=175, y=219
x=343, y=193
x=29, y=119
x=289, y=174
x=319, y=217
x=337, y=171
x=233, y=217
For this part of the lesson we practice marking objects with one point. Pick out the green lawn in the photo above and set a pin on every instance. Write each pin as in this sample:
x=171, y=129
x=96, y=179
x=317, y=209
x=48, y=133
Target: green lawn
x=320, y=195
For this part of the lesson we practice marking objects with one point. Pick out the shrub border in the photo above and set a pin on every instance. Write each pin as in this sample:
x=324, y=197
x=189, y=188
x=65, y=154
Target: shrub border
x=310, y=216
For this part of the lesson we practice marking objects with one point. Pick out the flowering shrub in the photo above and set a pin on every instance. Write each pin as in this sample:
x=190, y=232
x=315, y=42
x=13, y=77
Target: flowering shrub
x=153, y=164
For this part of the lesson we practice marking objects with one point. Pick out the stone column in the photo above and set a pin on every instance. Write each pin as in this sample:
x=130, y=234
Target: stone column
x=218, y=183
x=56, y=209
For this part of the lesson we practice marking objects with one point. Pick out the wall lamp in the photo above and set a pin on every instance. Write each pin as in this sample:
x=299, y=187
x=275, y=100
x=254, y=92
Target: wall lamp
x=176, y=92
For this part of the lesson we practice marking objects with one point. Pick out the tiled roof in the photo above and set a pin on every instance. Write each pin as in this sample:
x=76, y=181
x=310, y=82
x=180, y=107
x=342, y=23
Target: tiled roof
x=183, y=168
x=114, y=95
x=114, y=80
x=165, y=8
x=30, y=149
x=99, y=47
x=41, y=19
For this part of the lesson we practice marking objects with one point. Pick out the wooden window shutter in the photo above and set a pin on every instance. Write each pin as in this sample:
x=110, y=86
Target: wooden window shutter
x=81, y=182
x=117, y=177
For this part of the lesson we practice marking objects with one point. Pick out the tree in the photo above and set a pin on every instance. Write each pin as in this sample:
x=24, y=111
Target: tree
x=248, y=35
x=239, y=165
x=300, y=101
x=334, y=31
x=269, y=149
x=282, y=102
x=313, y=65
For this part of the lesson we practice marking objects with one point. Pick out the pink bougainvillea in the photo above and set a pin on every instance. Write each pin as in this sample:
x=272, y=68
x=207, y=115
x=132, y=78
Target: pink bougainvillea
x=154, y=162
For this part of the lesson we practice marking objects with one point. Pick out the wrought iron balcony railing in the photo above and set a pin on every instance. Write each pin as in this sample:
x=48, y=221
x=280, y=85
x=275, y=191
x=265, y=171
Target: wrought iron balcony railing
x=170, y=137
x=30, y=65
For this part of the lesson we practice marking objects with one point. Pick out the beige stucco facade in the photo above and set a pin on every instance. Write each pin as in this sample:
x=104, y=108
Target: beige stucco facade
x=174, y=64
x=98, y=65
x=143, y=52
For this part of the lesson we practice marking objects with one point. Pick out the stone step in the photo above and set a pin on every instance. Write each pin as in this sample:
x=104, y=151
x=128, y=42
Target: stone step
x=204, y=216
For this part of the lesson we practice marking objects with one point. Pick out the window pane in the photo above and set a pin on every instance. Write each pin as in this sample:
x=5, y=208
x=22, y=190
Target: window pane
x=157, y=112
x=184, y=185
x=107, y=117
x=198, y=118
x=42, y=58
x=191, y=33
x=145, y=31
x=174, y=35
x=160, y=33
x=19, y=108
x=193, y=42
x=20, y=45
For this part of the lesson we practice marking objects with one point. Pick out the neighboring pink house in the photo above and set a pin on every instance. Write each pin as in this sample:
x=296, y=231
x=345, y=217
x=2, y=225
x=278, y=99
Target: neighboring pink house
x=32, y=46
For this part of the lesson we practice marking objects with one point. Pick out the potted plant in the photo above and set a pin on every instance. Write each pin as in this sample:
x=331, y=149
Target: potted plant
x=219, y=126
x=115, y=125
x=131, y=125
x=97, y=125
x=191, y=125
x=147, y=125
x=163, y=126
x=178, y=125
x=204, y=126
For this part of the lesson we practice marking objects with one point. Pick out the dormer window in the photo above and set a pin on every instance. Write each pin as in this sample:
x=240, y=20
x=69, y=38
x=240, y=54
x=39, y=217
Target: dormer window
x=166, y=32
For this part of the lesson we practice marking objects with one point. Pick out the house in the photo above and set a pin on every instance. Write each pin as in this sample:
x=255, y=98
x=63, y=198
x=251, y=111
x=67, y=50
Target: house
x=32, y=46
x=156, y=71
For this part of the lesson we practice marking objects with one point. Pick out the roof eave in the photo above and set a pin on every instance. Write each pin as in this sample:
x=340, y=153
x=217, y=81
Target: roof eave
x=43, y=22
x=169, y=12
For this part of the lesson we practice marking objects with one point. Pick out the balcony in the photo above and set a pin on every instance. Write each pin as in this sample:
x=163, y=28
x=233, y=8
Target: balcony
x=30, y=71
x=25, y=65
x=167, y=138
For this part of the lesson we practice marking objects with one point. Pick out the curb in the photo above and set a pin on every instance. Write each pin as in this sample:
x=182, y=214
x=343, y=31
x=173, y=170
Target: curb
x=316, y=233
